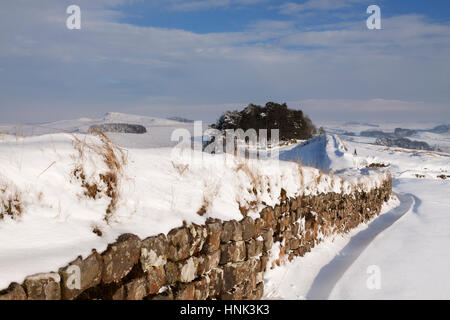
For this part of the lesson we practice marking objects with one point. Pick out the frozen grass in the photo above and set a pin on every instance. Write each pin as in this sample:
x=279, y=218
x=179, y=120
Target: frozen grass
x=100, y=184
x=11, y=204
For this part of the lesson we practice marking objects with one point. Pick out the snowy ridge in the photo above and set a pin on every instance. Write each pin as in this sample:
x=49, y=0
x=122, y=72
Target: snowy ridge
x=326, y=152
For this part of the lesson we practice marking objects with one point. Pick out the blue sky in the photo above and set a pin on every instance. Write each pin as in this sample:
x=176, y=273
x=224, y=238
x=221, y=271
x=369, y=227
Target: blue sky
x=198, y=58
x=226, y=16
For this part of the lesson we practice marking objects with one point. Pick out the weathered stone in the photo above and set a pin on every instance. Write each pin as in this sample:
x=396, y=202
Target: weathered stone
x=215, y=282
x=258, y=292
x=156, y=279
x=233, y=252
x=236, y=273
x=81, y=275
x=136, y=289
x=44, y=286
x=295, y=228
x=254, y=248
x=267, y=235
x=166, y=295
x=231, y=231
x=119, y=294
x=277, y=211
x=180, y=240
x=293, y=203
x=120, y=257
x=185, y=291
x=248, y=287
x=236, y=293
x=294, y=243
x=248, y=228
x=188, y=270
x=284, y=222
x=14, y=292
x=172, y=272
x=214, y=231
x=201, y=288
x=207, y=262
x=181, y=271
x=198, y=236
x=264, y=260
x=154, y=252
x=268, y=217
x=259, y=225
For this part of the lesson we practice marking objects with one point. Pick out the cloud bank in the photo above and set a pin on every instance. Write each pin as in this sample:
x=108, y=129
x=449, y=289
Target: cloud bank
x=341, y=69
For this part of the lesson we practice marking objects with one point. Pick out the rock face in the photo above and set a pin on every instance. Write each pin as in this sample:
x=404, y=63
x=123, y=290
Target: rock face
x=80, y=275
x=14, y=292
x=154, y=252
x=119, y=128
x=219, y=260
x=45, y=286
x=120, y=257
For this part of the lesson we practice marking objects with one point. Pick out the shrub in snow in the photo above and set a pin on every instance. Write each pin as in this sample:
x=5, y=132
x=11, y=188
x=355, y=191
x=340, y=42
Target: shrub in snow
x=292, y=124
x=10, y=200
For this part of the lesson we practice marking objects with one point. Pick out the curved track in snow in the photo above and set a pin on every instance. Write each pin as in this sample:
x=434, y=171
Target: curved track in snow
x=330, y=274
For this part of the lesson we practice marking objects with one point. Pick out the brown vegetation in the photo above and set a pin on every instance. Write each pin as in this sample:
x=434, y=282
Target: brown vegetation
x=107, y=183
x=10, y=202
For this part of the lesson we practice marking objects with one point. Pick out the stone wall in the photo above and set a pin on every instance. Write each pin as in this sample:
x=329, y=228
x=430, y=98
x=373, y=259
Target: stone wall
x=218, y=260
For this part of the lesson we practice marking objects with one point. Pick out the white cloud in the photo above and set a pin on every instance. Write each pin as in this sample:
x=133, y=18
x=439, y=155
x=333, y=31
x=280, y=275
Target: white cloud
x=52, y=68
x=316, y=5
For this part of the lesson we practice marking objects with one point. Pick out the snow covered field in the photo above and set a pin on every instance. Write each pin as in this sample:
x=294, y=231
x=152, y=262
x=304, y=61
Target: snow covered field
x=159, y=189
x=65, y=189
x=408, y=244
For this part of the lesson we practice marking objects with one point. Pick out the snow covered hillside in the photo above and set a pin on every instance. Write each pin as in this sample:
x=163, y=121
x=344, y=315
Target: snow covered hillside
x=62, y=194
x=158, y=130
x=71, y=193
x=408, y=244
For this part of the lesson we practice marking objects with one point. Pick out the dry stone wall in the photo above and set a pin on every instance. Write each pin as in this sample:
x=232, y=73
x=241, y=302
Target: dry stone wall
x=218, y=260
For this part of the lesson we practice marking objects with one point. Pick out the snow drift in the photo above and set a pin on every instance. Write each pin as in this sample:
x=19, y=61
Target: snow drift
x=325, y=152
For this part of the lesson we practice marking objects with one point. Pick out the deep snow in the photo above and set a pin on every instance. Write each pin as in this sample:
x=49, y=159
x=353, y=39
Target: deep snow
x=411, y=255
x=159, y=188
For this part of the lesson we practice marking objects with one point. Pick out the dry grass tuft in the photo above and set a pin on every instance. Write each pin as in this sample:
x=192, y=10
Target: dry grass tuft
x=210, y=193
x=10, y=202
x=257, y=188
x=108, y=182
x=181, y=168
x=300, y=172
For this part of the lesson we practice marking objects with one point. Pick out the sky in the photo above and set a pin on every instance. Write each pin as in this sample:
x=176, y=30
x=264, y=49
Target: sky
x=199, y=58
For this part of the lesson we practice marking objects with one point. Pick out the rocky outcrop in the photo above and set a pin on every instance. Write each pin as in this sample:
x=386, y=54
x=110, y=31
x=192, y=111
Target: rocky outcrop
x=119, y=128
x=218, y=260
